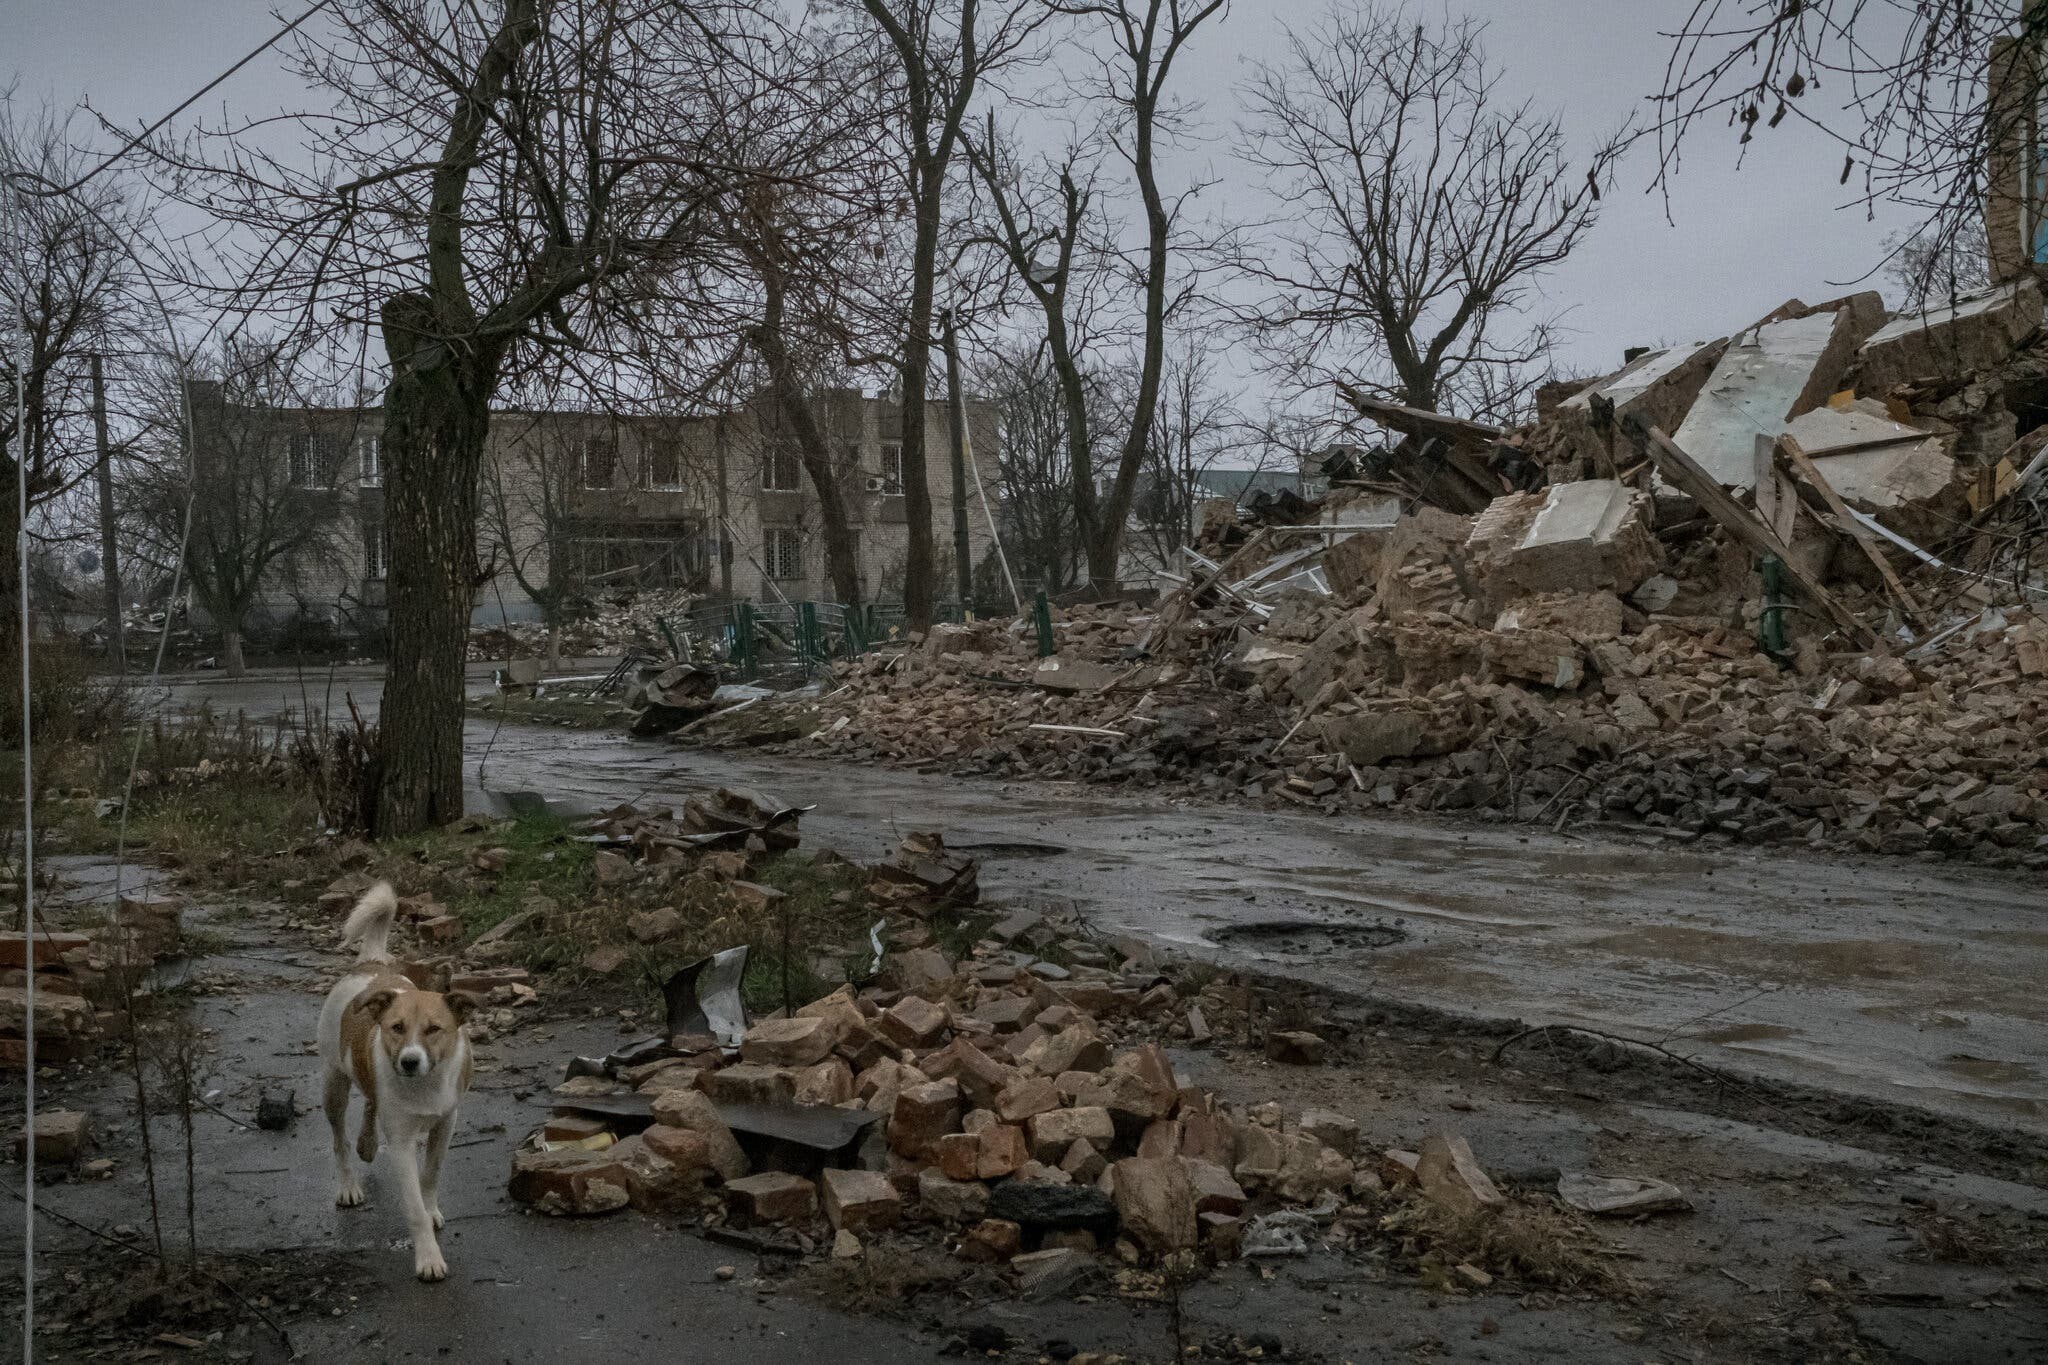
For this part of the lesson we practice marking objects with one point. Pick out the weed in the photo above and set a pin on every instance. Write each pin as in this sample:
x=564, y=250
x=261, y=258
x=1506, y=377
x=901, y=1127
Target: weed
x=1948, y=1238
x=1533, y=1242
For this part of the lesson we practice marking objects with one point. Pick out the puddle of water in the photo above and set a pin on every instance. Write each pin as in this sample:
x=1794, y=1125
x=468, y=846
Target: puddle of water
x=1989, y=1070
x=1337, y=884
x=1826, y=959
x=1746, y=1033
x=1915, y=1015
x=1306, y=938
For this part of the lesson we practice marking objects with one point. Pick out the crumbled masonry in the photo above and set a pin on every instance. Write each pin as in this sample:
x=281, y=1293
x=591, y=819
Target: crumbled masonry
x=1539, y=626
x=1021, y=1109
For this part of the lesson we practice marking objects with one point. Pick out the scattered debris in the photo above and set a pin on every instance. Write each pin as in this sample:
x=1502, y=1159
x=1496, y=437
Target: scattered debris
x=1620, y=1196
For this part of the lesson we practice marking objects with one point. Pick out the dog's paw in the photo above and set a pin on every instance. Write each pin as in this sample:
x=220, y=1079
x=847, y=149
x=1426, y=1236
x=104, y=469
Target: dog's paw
x=366, y=1148
x=349, y=1196
x=429, y=1266
x=439, y=1221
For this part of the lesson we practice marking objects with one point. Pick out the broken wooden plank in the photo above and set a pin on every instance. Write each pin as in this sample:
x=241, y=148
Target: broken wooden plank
x=1079, y=730
x=1419, y=422
x=1802, y=470
x=1686, y=475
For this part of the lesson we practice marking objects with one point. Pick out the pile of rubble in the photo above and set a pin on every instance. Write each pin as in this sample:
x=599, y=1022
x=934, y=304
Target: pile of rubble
x=615, y=624
x=80, y=996
x=1772, y=586
x=990, y=1103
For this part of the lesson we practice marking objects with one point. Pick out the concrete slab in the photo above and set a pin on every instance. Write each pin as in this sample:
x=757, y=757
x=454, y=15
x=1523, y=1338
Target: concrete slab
x=1865, y=423
x=1672, y=377
x=1574, y=537
x=1767, y=377
x=1881, y=478
x=1954, y=339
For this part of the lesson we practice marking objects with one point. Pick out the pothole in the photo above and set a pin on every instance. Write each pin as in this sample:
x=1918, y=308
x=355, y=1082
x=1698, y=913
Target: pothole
x=1307, y=938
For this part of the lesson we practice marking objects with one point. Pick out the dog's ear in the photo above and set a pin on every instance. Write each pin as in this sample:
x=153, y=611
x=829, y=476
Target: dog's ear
x=374, y=1003
x=462, y=1004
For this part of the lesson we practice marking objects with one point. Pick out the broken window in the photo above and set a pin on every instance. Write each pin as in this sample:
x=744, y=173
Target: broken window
x=781, y=471
x=783, y=551
x=376, y=548
x=310, y=459
x=597, y=456
x=663, y=464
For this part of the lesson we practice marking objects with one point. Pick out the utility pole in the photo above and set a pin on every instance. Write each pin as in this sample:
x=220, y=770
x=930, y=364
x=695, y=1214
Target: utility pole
x=956, y=405
x=110, y=568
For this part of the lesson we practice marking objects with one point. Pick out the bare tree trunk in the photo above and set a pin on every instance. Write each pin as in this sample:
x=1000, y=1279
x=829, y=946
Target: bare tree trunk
x=437, y=413
x=718, y=450
x=110, y=564
x=956, y=413
x=554, y=656
x=841, y=558
x=231, y=651
x=918, y=567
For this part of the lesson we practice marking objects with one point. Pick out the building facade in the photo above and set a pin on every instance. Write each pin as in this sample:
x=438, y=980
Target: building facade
x=578, y=504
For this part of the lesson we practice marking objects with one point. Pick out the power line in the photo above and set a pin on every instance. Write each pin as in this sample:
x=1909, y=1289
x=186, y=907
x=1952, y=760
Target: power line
x=138, y=139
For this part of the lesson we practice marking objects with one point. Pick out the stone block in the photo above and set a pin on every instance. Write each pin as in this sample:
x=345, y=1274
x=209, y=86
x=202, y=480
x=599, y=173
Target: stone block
x=751, y=1083
x=913, y=1022
x=694, y=1112
x=1449, y=1175
x=61, y=1134
x=1053, y=1132
x=1001, y=1149
x=980, y=1077
x=1155, y=1203
x=1024, y=1097
x=950, y=1200
x=860, y=1201
x=772, y=1197
x=569, y=1183
x=922, y=1115
x=796, y=1042
x=828, y=1082
x=992, y=1241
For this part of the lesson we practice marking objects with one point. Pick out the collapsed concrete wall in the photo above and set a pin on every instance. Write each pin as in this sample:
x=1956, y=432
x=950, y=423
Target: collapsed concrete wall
x=1770, y=375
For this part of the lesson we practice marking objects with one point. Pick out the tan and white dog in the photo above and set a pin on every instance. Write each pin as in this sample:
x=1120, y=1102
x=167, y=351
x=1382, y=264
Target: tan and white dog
x=404, y=1048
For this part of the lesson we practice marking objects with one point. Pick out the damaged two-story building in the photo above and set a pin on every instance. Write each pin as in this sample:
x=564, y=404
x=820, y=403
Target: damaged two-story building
x=577, y=503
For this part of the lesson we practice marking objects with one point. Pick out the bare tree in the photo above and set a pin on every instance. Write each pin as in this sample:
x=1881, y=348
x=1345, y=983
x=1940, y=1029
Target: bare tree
x=1148, y=35
x=1048, y=222
x=941, y=60
x=1032, y=465
x=1194, y=427
x=261, y=481
x=68, y=288
x=492, y=183
x=1927, y=100
x=1930, y=266
x=1419, y=211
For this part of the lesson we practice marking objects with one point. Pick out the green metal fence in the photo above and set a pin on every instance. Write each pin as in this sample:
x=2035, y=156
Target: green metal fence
x=784, y=641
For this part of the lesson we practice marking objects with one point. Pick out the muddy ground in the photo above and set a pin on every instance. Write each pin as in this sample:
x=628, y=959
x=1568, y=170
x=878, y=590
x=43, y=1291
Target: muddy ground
x=1869, y=1171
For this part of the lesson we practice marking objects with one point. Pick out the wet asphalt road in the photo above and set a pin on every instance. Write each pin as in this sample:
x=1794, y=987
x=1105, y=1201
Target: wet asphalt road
x=1908, y=981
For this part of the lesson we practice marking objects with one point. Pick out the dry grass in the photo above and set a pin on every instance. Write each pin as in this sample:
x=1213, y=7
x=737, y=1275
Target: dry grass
x=885, y=1276
x=1532, y=1242
x=1960, y=1241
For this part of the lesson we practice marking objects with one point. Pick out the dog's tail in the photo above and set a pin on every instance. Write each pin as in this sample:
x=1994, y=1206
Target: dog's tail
x=369, y=924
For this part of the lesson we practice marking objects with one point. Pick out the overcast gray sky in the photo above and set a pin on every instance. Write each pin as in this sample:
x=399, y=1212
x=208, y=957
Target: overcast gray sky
x=1739, y=243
